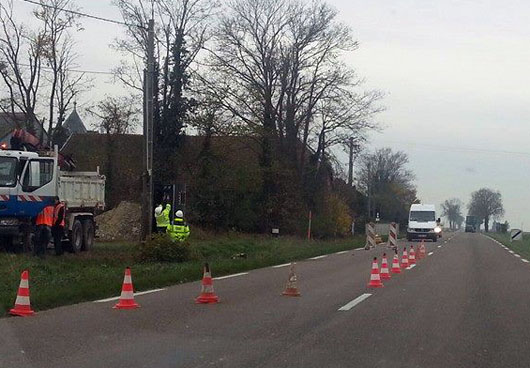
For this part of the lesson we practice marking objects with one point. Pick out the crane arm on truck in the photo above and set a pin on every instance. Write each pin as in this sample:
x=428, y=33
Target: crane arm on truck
x=22, y=140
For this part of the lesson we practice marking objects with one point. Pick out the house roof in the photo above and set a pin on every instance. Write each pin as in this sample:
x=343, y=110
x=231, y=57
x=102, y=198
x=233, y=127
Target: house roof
x=73, y=123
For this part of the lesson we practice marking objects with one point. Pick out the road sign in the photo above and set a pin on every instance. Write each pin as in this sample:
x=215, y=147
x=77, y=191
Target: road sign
x=516, y=234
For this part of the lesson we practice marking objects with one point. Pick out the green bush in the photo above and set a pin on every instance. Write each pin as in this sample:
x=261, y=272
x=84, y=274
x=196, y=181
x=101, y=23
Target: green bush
x=162, y=249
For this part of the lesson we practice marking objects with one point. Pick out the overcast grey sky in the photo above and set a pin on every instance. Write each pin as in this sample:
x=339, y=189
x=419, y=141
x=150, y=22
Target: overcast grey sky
x=456, y=79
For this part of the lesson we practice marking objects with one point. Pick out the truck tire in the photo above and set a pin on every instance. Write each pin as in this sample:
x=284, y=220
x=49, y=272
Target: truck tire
x=76, y=237
x=88, y=235
x=435, y=239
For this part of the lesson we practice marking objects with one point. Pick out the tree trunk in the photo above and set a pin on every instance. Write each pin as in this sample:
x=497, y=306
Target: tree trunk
x=486, y=223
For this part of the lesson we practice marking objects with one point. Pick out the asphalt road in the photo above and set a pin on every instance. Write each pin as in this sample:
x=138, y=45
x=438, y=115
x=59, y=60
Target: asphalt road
x=465, y=305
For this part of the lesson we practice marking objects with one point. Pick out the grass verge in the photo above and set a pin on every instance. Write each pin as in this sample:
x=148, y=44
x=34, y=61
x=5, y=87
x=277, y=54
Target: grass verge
x=520, y=247
x=98, y=274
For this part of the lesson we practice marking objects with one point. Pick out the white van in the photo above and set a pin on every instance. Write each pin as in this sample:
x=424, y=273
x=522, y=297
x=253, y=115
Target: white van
x=423, y=223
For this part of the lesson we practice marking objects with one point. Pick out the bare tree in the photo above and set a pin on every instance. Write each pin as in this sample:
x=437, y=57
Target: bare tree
x=180, y=33
x=117, y=115
x=452, y=209
x=486, y=203
x=389, y=184
x=59, y=57
x=21, y=53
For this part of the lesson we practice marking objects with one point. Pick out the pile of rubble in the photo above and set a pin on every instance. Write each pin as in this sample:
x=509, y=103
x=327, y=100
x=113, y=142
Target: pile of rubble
x=120, y=223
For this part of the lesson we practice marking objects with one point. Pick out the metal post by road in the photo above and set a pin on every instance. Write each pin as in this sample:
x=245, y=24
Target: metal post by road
x=350, y=165
x=148, y=133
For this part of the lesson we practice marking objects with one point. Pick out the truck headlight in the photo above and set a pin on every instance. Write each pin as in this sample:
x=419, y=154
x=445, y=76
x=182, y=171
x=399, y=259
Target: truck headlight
x=437, y=229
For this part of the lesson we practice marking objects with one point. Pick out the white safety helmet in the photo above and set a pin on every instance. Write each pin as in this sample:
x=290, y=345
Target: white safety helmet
x=179, y=213
x=158, y=210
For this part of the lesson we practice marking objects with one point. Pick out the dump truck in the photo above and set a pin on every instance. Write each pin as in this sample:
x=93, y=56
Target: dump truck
x=29, y=181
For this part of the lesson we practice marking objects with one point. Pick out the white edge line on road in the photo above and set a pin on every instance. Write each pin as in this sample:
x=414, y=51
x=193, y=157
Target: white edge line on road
x=517, y=255
x=342, y=252
x=282, y=265
x=511, y=251
x=228, y=276
x=319, y=257
x=524, y=260
x=430, y=253
x=354, y=302
x=135, y=294
x=359, y=249
x=411, y=267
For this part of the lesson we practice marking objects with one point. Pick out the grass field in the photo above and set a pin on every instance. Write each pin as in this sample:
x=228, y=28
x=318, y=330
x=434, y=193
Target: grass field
x=98, y=274
x=520, y=247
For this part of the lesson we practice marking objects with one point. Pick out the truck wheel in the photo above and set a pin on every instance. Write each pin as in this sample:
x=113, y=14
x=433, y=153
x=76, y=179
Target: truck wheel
x=88, y=235
x=435, y=239
x=76, y=237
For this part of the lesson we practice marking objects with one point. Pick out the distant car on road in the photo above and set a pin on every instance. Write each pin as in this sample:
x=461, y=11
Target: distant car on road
x=423, y=223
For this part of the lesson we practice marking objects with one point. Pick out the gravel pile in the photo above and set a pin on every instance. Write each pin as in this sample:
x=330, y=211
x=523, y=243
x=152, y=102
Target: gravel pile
x=120, y=223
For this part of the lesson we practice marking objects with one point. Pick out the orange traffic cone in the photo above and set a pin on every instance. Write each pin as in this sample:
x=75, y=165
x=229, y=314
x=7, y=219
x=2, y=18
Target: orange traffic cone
x=290, y=288
x=22, y=305
x=375, y=278
x=127, y=293
x=422, y=253
x=207, y=295
x=395, y=264
x=385, y=273
x=405, y=259
x=412, y=255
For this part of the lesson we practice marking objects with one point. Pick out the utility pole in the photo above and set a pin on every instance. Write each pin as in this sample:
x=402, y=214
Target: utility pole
x=350, y=166
x=368, y=190
x=147, y=203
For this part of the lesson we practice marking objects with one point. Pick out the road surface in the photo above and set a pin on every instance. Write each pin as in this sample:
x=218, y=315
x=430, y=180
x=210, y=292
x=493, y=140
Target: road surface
x=465, y=305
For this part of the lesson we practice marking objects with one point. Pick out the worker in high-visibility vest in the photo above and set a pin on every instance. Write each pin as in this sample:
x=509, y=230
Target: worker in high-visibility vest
x=162, y=218
x=44, y=222
x=58, y=225
x=179, y=230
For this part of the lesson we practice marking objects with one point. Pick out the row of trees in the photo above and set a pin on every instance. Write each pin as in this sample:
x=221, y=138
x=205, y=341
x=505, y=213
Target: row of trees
x=485, y=203
x=270, y=70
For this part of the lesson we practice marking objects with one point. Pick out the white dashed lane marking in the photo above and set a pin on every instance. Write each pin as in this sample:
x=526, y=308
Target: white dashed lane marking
x=430, y=253
x=229, y=276
x=354, y=302
x=281, y=265
x=135, y=294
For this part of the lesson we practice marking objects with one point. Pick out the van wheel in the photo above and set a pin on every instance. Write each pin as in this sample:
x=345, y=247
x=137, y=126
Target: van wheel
x=76, y=237
x=88, y=235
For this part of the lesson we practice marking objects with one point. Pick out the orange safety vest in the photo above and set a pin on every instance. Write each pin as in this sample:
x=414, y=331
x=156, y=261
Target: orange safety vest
x=56, y=213
x=45, y=217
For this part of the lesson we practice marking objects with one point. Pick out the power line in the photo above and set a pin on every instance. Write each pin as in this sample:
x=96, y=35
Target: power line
x=83, y=14
x=49, y=69
x=454, y=148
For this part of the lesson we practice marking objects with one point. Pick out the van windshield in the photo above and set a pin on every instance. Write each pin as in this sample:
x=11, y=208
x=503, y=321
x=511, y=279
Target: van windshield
x=422, y=216
x=8, y=166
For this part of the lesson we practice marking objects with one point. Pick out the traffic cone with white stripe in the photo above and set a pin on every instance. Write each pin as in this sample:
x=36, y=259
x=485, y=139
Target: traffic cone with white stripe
x=375, y=277
x=412, y=256
x=22, y=305
x=405, y=259
x=127, y=293
x=207, y=295
x=291, y=289
x=422, y=253
x=385, y=273
x=395, y=264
